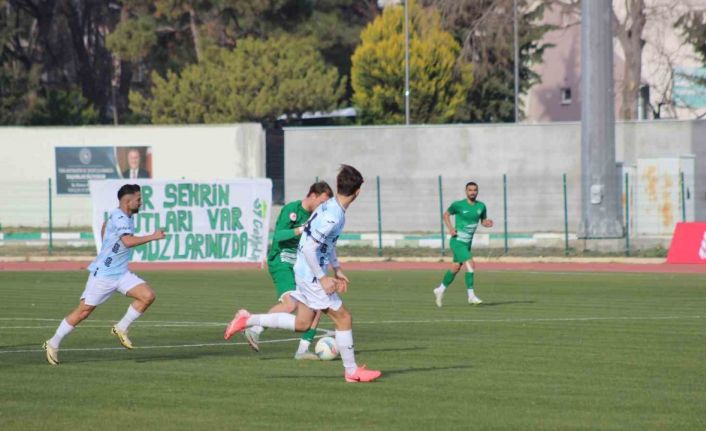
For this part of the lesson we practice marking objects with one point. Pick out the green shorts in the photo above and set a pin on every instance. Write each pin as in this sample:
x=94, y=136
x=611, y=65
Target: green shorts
x=283, y=278
x=461, y=250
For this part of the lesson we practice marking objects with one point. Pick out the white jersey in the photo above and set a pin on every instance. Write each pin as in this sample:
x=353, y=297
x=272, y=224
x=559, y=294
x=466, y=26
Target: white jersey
x=113, y=258
x=324, y=227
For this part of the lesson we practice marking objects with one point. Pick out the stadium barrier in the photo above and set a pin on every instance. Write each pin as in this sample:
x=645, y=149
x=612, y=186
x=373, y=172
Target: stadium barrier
x=524, y=217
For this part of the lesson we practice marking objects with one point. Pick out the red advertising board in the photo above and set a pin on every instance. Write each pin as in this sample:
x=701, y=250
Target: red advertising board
x=688, y=244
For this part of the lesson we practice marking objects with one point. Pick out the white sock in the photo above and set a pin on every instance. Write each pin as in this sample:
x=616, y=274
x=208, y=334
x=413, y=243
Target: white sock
x=470, y=293
x=273, y=320
x=62, y=331
x=303, y=346
x=441, y=288
x=128, y=318
x=344, y=342
x=257, y=329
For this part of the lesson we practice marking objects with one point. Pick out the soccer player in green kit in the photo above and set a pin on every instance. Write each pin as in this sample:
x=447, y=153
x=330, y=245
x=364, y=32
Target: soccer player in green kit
x=468, y=214
x=281, y=259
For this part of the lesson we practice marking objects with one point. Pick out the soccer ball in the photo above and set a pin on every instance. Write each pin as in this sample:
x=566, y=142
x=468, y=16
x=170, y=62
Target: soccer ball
x=326, y=349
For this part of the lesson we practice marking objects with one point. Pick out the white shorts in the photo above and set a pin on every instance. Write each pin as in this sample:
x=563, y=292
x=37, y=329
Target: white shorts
x=313, y=296
x=99, y=289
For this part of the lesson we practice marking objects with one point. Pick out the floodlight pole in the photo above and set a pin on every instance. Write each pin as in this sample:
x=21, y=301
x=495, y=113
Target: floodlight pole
x=406, y=62
x=517, y=61
x=601, y=214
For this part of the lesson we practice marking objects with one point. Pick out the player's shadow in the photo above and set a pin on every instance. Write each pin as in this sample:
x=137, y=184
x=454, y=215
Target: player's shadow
x=151, y=355
x=357, y=352
x=37, y=357
x=144, y=357
x=401, y=349
x=20, y=346
x=385, y=373
x=495, y=304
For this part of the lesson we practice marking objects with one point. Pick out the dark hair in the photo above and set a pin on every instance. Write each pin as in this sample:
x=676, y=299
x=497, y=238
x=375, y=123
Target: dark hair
x=471, y=183
x=128, y=189
x=348, y=180
x=320, y=187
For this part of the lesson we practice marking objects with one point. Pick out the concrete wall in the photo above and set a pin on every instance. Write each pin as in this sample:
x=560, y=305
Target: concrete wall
x=534, y=157
x=192, y=152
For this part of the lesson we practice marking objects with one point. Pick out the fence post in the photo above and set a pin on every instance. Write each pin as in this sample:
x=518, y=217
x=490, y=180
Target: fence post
x=379, y=219
x=683, y=196
x=51, y=239
x=441, y=216
x=627, y=215
x=566, y=219
x=505, y=210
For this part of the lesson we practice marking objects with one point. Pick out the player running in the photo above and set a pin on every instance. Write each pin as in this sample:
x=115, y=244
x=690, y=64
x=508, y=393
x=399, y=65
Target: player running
x=281, y=259
x=468, y=214
x=109, y=273
x=315, y=289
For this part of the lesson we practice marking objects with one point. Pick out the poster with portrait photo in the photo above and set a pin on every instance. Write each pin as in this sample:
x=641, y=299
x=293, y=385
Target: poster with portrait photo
x=134, y=162
x=75, y=166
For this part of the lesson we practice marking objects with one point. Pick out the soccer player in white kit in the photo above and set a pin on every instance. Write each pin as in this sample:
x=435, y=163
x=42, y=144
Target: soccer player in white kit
x=109, y=273
x=315, y=289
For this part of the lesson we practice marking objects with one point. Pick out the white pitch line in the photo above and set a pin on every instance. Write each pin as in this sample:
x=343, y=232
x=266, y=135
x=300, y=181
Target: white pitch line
x=172, y=346
x=378, y=322
x=645, y=274
x=176, y=324
x=41, y=319
x=549, y=319
x=144, y=325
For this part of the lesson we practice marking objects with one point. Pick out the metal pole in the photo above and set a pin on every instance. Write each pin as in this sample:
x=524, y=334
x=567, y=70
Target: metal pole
x=627, y=215
x=517, y=61
x=441, y=213
x=406, y=62
x=683, y=196
x=379, y=219
x=505, y=210
x=600, y=183
x=566, y=220
x=51, y=239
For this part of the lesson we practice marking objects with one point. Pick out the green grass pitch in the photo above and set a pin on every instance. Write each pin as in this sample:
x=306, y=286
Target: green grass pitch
x=569, y=351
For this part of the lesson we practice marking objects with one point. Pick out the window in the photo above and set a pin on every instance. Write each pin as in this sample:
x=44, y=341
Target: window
x=566, y=96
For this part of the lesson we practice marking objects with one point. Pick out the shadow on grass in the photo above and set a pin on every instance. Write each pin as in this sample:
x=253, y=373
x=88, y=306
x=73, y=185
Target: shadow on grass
x=401, y=349
x=145, y=356
x=21, y=346
x=388, y=373
x=357, y=352
x=495, y=304
x=385, y=373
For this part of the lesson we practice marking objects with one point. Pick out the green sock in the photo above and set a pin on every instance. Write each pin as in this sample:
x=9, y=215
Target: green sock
x=469, y=280
x=309, y=335
x=448, y=278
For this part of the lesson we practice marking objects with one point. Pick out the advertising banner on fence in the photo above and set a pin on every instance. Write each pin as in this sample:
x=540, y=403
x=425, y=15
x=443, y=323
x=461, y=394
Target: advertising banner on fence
x=76, y=166
x=688, y=244
x=204, y=221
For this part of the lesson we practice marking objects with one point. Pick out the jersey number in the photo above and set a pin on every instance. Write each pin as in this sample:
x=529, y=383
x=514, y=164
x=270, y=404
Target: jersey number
x=108, y=261
x=116, y=247
x=307, y=226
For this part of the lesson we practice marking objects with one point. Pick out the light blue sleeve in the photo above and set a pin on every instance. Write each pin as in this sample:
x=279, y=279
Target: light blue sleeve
x=321, y=227
x=122, y=225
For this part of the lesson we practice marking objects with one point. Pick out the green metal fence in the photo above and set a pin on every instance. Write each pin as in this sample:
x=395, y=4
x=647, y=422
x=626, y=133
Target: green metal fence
x=561, y=202
x=515, y=202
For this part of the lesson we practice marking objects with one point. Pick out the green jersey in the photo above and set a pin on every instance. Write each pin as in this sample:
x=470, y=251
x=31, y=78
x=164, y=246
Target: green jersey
x=284, y=241
x=468, y=216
